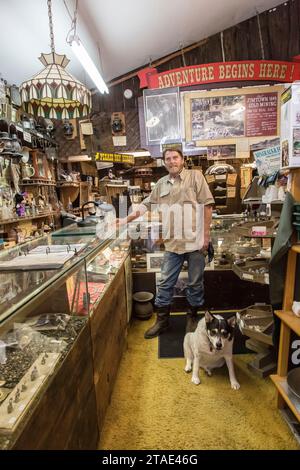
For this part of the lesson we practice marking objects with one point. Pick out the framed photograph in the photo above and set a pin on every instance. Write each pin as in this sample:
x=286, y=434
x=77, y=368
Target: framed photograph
x=154, y=261
x=162, y=116
x=221, y=152
x=229, y=116
x=219, y=117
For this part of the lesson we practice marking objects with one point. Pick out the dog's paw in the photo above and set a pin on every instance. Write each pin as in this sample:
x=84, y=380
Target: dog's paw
x=196, y=380
x=188, y=369
x=208, y=372
x=235, y=385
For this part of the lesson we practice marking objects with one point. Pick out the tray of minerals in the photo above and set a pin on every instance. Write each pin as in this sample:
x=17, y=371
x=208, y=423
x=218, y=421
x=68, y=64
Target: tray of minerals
x=48, y=321
x=248, y=248
x=252, y=270
x=17, y=402
x=244, y=229
x=257, y=322
x=93, y=276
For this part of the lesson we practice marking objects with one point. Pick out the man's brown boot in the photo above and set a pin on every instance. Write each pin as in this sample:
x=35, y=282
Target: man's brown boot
x=161, y=324
x=192, y=319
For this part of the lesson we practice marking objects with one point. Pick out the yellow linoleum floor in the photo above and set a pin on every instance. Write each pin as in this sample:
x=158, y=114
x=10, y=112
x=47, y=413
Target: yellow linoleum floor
x=155, y=405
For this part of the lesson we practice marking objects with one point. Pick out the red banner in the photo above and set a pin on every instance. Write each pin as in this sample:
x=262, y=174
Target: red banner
x=246, y=70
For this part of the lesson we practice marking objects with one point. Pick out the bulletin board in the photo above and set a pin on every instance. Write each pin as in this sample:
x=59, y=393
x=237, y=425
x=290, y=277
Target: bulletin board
x=239, y=116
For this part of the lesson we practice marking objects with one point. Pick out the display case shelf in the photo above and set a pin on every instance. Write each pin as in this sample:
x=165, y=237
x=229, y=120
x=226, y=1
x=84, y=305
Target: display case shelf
x=73, y=312
x=291, y=400
x=290, y=319
x=21, y=219
x=37, y=182
x=252, y=277
x=289, y=323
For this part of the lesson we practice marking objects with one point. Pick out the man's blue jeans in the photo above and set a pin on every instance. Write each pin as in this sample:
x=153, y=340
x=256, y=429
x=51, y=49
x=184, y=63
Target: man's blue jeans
x=170, y=270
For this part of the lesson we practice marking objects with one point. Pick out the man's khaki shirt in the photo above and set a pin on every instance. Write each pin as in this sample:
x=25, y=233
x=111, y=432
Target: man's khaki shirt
x=180, y=201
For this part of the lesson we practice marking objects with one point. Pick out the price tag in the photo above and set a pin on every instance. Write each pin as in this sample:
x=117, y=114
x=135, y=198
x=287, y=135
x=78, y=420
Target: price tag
x=231, y=192
x=247, y=276
x=210, y=178
x=220, y=177
x=267, y=280
x=19, y=129
x=27, y=136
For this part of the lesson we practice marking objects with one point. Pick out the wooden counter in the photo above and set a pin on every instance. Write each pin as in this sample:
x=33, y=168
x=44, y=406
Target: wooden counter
x=70, y=412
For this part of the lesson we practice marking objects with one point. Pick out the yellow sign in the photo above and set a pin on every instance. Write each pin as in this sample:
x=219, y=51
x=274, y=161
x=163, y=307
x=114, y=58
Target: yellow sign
x=114, y=157
x=128, y=159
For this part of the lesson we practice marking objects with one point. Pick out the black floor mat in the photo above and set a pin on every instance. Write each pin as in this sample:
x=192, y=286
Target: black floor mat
x=170, y=343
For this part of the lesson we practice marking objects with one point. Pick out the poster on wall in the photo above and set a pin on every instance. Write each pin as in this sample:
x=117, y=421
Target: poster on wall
x=232, y=115
x=218, y=117
x=261, y=114
x=267, y=156
x=268, y=161
x=218, y=152
x=296, y=142
x=290, y=128
x=162, y=116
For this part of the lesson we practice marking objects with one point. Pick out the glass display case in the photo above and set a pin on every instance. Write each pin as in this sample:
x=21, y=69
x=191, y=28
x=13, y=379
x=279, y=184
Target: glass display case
x=44, y=316
x=148, y=248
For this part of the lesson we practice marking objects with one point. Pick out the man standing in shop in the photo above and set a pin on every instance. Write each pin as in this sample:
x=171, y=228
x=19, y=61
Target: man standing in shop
x=185, y=204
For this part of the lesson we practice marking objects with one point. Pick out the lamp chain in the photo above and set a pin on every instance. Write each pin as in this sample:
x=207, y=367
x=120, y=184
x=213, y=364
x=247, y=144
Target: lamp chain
x=51, y=26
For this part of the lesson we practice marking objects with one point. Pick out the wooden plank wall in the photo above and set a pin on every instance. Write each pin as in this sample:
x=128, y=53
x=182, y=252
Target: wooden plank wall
x=281, y=40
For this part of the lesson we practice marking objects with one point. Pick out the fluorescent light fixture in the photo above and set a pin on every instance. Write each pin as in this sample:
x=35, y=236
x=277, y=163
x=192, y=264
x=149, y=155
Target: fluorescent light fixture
x=87, y=63
x=139, y=153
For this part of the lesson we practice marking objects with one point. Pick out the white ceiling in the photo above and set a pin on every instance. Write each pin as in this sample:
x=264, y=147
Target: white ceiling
x=126, y=32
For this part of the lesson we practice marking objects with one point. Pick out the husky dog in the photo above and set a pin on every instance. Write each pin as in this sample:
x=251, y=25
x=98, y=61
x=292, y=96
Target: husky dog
x=210, y=346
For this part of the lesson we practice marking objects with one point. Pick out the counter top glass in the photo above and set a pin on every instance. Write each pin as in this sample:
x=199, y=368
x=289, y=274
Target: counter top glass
x=19, y=287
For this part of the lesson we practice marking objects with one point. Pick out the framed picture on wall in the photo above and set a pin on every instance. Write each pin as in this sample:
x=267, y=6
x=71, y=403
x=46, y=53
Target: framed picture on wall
x=162, y=116
x=225, y=117
x=154, y=261
x=221, y=152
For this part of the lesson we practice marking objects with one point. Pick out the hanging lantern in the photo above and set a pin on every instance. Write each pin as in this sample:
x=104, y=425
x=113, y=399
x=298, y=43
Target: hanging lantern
x=54, y=93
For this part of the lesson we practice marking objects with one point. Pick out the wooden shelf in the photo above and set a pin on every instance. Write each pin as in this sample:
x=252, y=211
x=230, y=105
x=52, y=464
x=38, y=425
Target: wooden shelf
x=21, y=219
x=290, y=319
x=296, y=248
x=292, y=401
x=37, y=182
x=68, y=184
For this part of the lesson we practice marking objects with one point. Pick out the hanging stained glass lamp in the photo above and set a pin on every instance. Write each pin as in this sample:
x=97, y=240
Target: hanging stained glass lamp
x=54, y=93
